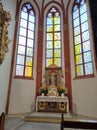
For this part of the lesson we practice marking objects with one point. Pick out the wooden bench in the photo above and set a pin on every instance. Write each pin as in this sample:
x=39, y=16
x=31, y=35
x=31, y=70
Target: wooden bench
x=2, y=120
x=80, y=124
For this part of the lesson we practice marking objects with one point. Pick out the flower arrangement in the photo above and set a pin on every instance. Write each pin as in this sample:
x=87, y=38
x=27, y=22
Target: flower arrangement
x=43, y=89
x=62, y=89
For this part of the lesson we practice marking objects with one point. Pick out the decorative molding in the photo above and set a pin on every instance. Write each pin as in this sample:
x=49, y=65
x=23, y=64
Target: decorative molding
x=5, y=17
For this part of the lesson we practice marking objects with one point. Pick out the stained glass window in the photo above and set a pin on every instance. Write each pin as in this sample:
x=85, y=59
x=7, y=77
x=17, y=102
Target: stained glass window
x=26, y=38
x=83, y=56
x=53, y=37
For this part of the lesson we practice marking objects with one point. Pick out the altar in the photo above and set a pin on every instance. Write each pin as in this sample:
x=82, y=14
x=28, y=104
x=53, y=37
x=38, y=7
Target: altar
x=52, y=104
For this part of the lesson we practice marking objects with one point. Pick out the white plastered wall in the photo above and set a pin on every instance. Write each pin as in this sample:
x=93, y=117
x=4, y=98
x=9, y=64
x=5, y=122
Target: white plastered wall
x=84, y=91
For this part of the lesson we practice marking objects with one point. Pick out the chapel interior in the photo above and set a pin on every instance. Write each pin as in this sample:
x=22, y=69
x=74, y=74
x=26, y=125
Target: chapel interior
x=48, y=47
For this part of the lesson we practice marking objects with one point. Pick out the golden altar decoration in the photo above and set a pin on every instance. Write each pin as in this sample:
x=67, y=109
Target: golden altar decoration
x=52, y=101
x=5, y=17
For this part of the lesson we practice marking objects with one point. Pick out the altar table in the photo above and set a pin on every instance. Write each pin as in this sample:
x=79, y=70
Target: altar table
x=52, y=104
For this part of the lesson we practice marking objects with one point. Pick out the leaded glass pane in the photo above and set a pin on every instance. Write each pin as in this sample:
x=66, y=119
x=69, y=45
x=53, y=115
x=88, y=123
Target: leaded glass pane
x=57, y=61
x=30, y=43
x=24, y=15
x=29, y=61
x=75, y=14
x=49, y=36
x=56, y=36
x=85, y=36
x=78, y=59
x=88, y=68
x=56, y=20
x=23, y=23
x=77, y=30
x=31, y=18
x=19, y=70
x=56, y=27
x=50, y=28
x=76, y=22
x=22, y=40
x=49, y=44
x=84, y=17
x=49, y=21
x=30, y=34
x=21, y=50
x=49, y=62
x=84, y=26
x=23, y=31
x=57, y=53
x=77, y=39
x=31, y=26
x=83, y=9
x=20, y=59
x=79, y=70
x=28, y=71
x=78, y=49
x=49, y=53
x=57, y=44
x=29, y=51
x=87, y=57
x=86, y=46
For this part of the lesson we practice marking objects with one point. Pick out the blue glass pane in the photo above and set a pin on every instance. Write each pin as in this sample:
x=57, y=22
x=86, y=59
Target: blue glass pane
x=20, y=59
x=19, y=70
x=86, y=46
x=23, y=31
x=84, y=26
x=49, y=21
x=88, y=68
x=84, y=17
x=24, y=15
x=23, y=23
x=85, y=36
x=31, y=26
x=31, y=18
x=83, y=9
x=87, y=57
x=49, y=44
x=49, y=53
x=77, y=30
x=75, y=14
x=76, y=22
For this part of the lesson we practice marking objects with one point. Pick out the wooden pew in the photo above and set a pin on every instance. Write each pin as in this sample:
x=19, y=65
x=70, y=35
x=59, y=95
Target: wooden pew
x=80, y=124
x=2, y=120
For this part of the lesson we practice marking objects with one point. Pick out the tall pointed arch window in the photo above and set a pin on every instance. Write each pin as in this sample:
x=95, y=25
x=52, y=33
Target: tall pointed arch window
x=26, y=39
x=53, y=38
x=81, y=35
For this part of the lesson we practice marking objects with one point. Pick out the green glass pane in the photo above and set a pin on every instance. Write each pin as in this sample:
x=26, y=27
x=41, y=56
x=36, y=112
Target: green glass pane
x=49, y=44
x=56, y=27
x=50, y=28
x=20, y=59
x=57, y=44
x=88, y=68
x=21, y=49
x=77, y=39
x=57, y=20
x=77, y=30
x=86, y=46
x=78, y=59
x=56, y=36
x=83, y=9
x=23, y=23
x=75, y=14
x=29, y=52
x=49, y=21
x=49, y=62
x=87, y=57
x=19, y=70
x=78, y=49
x=29, y=61
x=85, y=36
x=49, y=53
x=57, y=61
x=84, y=17
x=84, y=26
x=57, y=53
x=22, y=40
x=76, y=22
x=28, y=71
x=49, y=36
x=79, y=70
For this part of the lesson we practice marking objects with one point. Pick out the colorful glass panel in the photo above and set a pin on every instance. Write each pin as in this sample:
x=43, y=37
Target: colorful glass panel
x=57, y=44
x=57, y=61
x=20, y=59
x=78, y=49
x=21, y=50
x=56, y=36
x=22, y=40
x=49, y=36
x=85, y=36
x=50, y=28
x=84, y=17
x=77, y=30
x=79, y=70
x=77, y=39
x=56, y=27
x=29, y=52
x=28, y=71
x=84, y=26
x=76, y=22
x=28, y=61
x=88, y=68
x=87, y=57
x=75, y=14
x=86, y=46
x=78, y=59
x=57, y=53
x=49, y=53
x=19, y=70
